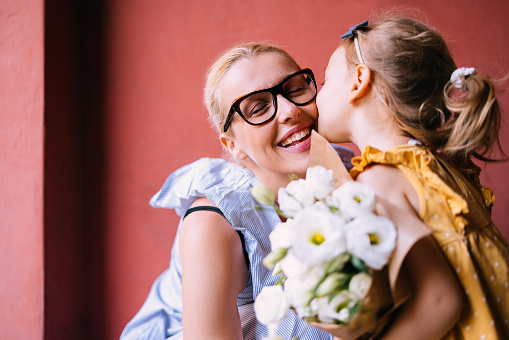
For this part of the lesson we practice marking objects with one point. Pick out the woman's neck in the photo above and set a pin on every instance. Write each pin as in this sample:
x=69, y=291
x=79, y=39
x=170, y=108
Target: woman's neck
x=273, y=181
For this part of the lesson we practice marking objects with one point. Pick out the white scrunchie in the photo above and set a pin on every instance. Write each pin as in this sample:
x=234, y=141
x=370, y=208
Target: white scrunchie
x=459, y=75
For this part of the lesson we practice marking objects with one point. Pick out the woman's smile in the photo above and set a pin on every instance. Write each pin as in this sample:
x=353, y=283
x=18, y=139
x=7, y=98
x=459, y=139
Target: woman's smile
x=297, y=139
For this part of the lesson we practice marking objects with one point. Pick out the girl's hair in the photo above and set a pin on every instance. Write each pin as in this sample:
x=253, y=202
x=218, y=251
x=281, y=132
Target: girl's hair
x=411, y=68
x=218, y=112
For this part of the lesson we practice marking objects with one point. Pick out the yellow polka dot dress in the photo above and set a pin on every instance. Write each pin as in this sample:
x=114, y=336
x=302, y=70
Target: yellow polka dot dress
x=458, y=211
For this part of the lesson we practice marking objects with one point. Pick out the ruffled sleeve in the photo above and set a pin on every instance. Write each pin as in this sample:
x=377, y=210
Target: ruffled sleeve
x=423, y=170
x=213, y=178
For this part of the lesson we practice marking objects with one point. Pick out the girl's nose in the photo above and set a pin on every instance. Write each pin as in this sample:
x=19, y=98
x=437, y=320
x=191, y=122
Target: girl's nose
x=286, y=110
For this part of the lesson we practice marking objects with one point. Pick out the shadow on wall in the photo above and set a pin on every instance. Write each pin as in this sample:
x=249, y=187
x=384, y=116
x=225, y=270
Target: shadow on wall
x=74, y=169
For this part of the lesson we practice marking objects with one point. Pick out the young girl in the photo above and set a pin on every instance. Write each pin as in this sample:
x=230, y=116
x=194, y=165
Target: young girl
x=393, y=89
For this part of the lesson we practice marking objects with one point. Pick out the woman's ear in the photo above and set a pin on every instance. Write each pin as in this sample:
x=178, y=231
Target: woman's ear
x=232, y=147
x=361, y=83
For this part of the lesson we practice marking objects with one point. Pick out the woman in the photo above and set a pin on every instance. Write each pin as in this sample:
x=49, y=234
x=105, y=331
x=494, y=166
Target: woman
x=263, y=105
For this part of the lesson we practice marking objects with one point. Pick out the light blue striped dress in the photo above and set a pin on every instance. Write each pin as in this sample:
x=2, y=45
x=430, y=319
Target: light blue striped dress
x=227, y=186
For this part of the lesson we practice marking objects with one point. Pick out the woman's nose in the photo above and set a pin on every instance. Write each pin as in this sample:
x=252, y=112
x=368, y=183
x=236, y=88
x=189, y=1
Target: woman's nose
x=286, y=110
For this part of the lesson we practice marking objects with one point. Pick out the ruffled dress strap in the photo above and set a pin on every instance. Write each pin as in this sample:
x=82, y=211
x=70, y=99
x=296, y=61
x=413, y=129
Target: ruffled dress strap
x=213, y=178
x=422, y=169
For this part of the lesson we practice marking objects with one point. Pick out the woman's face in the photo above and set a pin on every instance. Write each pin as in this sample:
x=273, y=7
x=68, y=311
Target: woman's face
x=280, y=146
x=332, y=100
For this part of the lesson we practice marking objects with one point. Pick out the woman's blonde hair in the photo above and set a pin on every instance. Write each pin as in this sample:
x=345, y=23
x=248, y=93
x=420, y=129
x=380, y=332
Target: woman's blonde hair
x=213, y=96
x=411, y=68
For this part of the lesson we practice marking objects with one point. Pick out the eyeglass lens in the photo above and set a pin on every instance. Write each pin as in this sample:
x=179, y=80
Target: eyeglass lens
x=261, y=106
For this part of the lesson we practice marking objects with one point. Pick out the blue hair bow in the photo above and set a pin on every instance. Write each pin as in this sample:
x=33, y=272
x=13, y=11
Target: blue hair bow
x=363, y=25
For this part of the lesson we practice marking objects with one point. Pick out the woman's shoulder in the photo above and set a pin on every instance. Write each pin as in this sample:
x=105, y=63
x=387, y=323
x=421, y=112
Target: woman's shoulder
x=206, y=177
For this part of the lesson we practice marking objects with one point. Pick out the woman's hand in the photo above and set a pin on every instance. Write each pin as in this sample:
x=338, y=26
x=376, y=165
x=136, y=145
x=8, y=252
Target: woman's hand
x=362, y=323
x=214, y=272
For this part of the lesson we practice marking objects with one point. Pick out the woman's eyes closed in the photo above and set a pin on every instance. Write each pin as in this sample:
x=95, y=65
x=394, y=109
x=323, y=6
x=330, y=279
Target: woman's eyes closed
x=256, y=108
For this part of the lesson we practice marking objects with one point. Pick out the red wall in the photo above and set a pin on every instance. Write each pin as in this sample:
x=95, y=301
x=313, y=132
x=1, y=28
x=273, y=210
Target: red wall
x=123, y=94
x=21, y=169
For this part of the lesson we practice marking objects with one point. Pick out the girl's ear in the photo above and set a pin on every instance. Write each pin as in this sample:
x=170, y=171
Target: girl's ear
x=232, y=147
x=361, y=83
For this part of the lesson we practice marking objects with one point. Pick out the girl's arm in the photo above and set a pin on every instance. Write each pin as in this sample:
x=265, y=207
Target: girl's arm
x=214, y=272
x=437, y=301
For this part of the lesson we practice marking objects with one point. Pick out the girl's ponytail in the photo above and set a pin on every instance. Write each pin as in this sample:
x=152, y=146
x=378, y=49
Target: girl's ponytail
x=416, y=78
x=475, y=123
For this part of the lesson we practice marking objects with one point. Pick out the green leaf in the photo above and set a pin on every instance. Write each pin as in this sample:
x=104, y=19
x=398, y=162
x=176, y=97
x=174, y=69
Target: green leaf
x=359, y=264
x=281, y=281
x=354, y=310
x=293, y=177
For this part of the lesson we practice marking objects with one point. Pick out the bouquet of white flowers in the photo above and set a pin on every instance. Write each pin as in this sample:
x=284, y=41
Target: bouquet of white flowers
x=325, y=251
x=340, y=264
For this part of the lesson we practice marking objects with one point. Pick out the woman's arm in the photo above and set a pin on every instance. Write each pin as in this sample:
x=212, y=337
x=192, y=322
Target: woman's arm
x=437, y=301
x=214, y=272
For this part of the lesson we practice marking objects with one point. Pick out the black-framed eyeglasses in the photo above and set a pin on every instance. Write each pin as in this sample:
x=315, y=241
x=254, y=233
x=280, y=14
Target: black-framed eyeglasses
x=259, y=107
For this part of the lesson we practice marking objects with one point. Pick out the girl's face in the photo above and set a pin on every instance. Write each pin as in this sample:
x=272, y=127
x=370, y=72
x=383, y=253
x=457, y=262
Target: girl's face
x=280, y=146
x=332, y=100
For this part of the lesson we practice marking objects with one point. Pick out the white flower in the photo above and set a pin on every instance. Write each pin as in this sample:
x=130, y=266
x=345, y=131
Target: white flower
x=354, y=199
x=299, y=291
x=272, y=332
x=320, y=205
x=319, y=236
x=296, y=196
x=344, y=314
x=321, y=181
x=271, y=305
x=333, y=203
x=263, y=195
x=337, y=309
x=360, y=284
x=372, y=239
x=281, y=236
x=293, y=267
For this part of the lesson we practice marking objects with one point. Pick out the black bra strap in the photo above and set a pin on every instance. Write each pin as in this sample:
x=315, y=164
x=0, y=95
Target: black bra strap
x=203, y=207
x=217, y=210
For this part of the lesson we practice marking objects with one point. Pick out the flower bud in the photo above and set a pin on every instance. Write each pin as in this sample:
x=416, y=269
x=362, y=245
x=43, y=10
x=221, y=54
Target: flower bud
x=360, y=284
x=271, y=305
x=337, y=264
x=263, y=195
x=333, y=283
x=273, y=257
